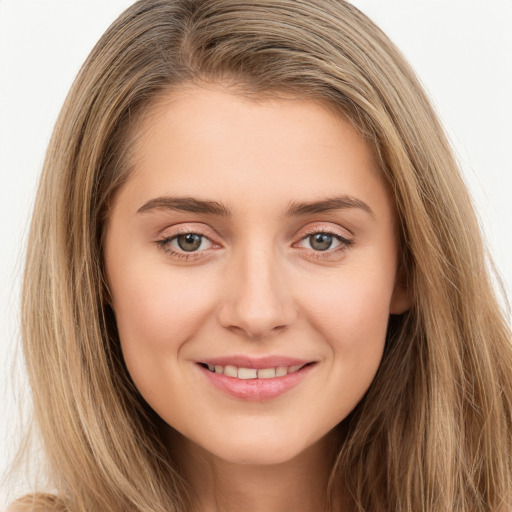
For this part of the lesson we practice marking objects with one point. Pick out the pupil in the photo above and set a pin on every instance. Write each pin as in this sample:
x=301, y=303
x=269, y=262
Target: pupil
x=189, y=242
x=320, y=241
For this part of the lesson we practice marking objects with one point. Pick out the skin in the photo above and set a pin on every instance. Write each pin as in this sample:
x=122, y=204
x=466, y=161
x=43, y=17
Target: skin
x=256, y=286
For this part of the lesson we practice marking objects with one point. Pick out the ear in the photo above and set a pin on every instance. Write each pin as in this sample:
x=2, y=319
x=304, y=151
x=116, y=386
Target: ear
x=401, y=299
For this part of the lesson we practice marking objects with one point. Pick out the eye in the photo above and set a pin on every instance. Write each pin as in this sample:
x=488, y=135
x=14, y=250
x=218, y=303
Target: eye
x=324, y=243
x=186, y=245
x=321, y=241
x=190, y=242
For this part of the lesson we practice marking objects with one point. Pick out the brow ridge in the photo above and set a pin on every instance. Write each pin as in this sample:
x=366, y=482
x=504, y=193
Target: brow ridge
x=325, y=205
x=295, y=209
x=185, y=204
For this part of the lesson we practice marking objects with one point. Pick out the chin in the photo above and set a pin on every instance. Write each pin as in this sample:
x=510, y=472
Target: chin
x=259, y=456
x=263, y=450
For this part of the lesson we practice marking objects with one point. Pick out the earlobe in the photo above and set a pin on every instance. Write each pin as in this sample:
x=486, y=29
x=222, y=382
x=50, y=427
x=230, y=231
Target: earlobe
x=401, y=299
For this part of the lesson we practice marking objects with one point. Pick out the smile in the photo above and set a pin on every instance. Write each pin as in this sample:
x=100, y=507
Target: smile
x=255, y=380
x=252, y=373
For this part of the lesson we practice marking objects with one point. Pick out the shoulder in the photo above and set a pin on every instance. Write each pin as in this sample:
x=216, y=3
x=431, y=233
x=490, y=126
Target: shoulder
x=37, y=503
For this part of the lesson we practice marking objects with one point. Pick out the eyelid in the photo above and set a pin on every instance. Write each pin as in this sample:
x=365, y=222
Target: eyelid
x=185, y=228
x=329, y=229
x=328, y=255
x=171, y=233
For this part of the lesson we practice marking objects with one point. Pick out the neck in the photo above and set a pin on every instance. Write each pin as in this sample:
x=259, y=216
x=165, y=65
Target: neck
x=223, y=486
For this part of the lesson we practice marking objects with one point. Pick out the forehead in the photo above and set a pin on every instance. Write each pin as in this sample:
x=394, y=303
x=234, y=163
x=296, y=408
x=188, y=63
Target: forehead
x=212, y=141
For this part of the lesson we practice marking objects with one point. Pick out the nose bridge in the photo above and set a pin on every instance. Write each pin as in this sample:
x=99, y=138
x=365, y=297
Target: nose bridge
x=258, y=301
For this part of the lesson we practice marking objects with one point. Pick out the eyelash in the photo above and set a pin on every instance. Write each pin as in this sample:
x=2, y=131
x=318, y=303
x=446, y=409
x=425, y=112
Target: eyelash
x=345, y=243
x=164, y=245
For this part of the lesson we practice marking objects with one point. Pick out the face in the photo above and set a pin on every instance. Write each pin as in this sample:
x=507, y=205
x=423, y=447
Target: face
x=252, y=261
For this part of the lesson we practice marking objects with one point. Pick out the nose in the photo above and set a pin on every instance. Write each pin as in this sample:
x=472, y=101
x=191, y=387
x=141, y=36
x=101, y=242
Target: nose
x=257, y=301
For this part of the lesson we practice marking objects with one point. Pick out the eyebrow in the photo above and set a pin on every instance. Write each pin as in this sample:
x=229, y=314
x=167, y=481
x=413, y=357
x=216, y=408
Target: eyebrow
x=325, y=205
x=185, y=204
x=295, y=209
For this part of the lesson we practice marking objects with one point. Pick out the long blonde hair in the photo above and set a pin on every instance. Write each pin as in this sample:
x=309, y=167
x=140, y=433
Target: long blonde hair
x=434, y=431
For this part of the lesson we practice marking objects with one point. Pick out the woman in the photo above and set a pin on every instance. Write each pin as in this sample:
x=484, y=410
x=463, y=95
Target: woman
x=255, y=279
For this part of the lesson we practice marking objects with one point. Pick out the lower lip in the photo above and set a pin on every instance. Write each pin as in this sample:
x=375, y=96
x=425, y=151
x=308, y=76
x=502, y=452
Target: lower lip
x=257, y=389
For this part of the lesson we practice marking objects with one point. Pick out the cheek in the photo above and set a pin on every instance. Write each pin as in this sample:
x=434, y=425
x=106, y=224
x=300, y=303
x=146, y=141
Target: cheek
x=351, y=314
x=157, y=311
x=352, y=306
x=153, y=310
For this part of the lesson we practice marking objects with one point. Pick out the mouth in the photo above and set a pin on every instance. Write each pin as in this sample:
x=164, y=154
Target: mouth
x=246, y=382
x=253, y=373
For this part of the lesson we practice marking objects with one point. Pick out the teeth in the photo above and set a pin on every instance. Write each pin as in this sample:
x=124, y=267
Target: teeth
x=281, y=370
x=230, y=371
x=247, y=373
x=266, y=373
x=253, y=373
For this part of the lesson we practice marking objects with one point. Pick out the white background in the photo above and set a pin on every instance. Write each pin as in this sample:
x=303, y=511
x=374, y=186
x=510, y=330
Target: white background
x=461, y=49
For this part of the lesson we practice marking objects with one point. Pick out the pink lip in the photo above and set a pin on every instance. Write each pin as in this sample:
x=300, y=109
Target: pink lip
x=256, y=389
x=255, y=362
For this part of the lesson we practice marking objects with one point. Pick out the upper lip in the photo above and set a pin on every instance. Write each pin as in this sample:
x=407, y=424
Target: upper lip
x=241, y=361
